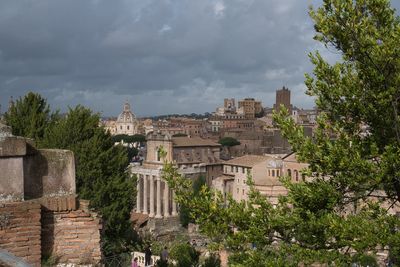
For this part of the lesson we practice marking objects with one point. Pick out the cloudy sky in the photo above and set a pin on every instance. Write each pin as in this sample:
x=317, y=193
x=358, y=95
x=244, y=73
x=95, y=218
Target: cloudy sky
x=163, y=56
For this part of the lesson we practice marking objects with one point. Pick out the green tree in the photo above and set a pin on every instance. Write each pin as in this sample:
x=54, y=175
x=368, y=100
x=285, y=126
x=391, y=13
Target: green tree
x=129, y=138
x=184, y=211
x=101, y=172
x=30, y=116
x=353, y=156
x=228, y=141
x=185, y=255
x=212, y=261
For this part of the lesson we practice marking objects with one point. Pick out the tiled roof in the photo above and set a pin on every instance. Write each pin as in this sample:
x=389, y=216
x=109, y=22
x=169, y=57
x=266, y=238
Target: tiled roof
x=192, y=141
x=247, y=160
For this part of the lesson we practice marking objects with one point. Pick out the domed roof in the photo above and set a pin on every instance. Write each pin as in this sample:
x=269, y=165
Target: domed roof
x=126, y=115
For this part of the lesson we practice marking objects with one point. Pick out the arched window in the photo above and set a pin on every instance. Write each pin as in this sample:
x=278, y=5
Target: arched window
x=158, y=154
x=273, y=173
x=296, y=175
x=289, y=173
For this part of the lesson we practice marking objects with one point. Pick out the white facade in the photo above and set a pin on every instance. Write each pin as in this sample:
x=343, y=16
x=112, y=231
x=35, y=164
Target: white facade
x=127, y=122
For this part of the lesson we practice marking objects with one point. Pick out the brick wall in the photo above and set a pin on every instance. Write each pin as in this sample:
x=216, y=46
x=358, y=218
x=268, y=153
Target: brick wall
x=20, y=230
x=71, y=236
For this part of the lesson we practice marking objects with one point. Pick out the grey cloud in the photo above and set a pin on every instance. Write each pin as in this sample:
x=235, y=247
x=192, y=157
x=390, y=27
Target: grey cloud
x=154, y=52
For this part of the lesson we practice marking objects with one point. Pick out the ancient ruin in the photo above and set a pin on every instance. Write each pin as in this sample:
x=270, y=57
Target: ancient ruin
x=40, y=214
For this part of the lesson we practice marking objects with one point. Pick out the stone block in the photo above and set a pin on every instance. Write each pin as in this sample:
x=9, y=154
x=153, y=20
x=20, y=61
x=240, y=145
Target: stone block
x=50, y=173
x=11, y=179
x=13, y=147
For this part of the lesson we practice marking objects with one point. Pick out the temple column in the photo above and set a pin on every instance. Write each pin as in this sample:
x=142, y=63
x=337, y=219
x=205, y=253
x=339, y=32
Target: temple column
x=151, y=181
x=166, y=199
x=145, y=210
x=174, y=212
x=158, y=207
x=138, y=195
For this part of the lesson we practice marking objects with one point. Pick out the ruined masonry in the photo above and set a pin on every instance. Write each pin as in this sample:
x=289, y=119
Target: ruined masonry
x=40, y=214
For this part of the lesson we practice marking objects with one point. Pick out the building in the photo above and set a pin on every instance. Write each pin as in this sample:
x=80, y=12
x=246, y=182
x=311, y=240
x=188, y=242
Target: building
x=126, y=123
x=229, y=104
x=193, y=156
x=283, y=98
x=264, y=171
x=250, y=107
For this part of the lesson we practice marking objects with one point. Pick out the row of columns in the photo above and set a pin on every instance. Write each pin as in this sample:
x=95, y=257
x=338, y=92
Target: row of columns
x=145, y=203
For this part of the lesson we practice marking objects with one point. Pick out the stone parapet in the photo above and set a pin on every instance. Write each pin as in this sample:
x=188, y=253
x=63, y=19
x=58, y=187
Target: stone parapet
x=13, y=147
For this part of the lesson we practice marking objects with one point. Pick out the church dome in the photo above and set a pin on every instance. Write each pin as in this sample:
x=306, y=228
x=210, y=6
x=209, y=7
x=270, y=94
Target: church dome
x=126, y=116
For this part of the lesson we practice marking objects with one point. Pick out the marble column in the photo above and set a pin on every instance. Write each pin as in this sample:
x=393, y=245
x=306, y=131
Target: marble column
x=151, y=183
x=145, y=210
x=174, y=212
x=138, y=195
x=158, y=207
x=166, y=200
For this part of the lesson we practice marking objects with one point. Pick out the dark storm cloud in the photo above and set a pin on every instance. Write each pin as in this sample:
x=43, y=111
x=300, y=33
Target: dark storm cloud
x=163, y=56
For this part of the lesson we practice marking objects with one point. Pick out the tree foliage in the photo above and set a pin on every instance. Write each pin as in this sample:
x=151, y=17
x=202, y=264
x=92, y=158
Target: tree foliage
x=228, y=141
x=101, y=167
x=101, y=171
x=341, y=216
x=30, y=116
x=129, y=138
x=184, y=212
x=185, y=255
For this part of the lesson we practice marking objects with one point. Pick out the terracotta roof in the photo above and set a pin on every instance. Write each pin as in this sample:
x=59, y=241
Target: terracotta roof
x=192, y=141
x=247, y=160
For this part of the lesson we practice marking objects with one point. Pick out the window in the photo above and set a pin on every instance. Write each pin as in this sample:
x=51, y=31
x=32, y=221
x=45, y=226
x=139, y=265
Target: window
x=273, y=173
x=289, y=172
x=120, y=127
x=226, y=169
x=277, y=172
x=231, y=168
x=237, y=169
x=243, y=170
x=296, y=175
x=242, y=191
x=237, y=190
x=127, y=127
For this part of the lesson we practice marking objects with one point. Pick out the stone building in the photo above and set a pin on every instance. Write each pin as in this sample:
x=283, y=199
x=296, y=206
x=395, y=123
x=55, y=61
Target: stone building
x=40, y=214
x=250, y=107
x=264, y=171
x=293, y=168
x=283, y=98
x=126, y=123
x=193, y=156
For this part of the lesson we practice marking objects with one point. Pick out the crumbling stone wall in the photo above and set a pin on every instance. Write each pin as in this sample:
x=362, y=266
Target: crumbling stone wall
x=20, y=230
x=39, y=211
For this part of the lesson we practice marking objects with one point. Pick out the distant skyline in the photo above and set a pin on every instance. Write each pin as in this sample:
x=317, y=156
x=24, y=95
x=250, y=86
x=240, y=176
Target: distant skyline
x=161, y=56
